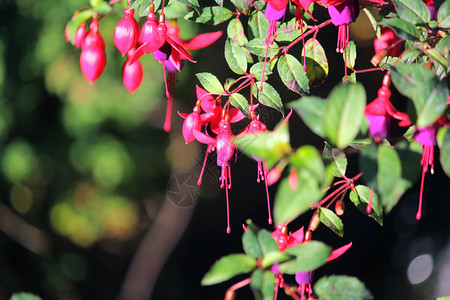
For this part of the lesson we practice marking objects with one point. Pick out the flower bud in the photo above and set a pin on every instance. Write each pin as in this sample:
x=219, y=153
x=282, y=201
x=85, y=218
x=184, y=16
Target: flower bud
x=339, y=207
x=132, y=73
x=389, y=41
x=93, y=56
x=126, y=32
x=80, y=35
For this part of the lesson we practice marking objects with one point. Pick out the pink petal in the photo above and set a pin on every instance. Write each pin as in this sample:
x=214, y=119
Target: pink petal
x=202, y=40
x=180, y=49
x=183, y=115
x=338, y=252
x=235, y=115
x=203, y=138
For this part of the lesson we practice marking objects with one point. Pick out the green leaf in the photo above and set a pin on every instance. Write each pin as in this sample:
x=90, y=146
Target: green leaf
x=102, y=8
x=250, y=243
x=444, y=148
x=242, y=5
x=210, y=83
x=341, y=287
x=414, y=11
x=220, y=2
x=309, y=256
x=437, y=57
x=189, y=2
x=312, y=111
x=267, y=146
x=266, y=242
x=289, y=204
x=444, y=15
x=361, y=199
x=292, y=74
x=337, y=157
x=402, y=28
x=175, y=10
x=331, y=220
x=443, y=46
x=256, y=283
x=424, y=88
x=258, y=47
x=268, y=96
x=316, y=62
x=389, y=176
x=228, y=83
x=257, y=71
x=235, y=31
x=257, y=25
x=443, y=298
x=228, y=267
x=211, y=15
x=273, y=257
x=77, y=20
x=24, y=296
x=288, y=31
x=239, y=101
x=344, y=113
x=235, y=57
x=308, y=158
x=351, y=54
x=268, y=286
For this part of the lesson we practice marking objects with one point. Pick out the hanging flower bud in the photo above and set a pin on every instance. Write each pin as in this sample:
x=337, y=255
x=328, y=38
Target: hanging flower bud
x=132, y=73
x=126, y=32
x=388, y=41
x=93, y=56
x=191, y=122
x=148, y=30
x=432, y=9
x=80, y=35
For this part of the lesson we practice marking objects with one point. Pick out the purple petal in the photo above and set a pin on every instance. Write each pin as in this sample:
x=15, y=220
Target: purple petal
x=426, y=136
x=378, y=125
x=304, y=277
x=344, y=13
x=272, y=14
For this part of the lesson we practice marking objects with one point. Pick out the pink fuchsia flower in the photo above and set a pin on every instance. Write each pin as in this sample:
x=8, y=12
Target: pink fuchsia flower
x=80, y=35
x=380, y=112
x=225, y=150
x=388, y=41
x=431, y=8
x=93, y=56
x=126, y=32
x=296, y=238
x=426, y=136
x=132, y=73
x=149, y=28
x=343, y=13
x=191, y=122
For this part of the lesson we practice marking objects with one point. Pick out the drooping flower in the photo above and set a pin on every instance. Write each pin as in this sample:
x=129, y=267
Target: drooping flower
x=388, y=41
x=132, y=73
x=225, y=150
x=380, y=112
x=426, y=136
x=93, y=56
x=432, y=9
x=284, y=241
x=80, y=35
x=149, y=28
x=126, y=32
x=275, y=13
x=342, y=13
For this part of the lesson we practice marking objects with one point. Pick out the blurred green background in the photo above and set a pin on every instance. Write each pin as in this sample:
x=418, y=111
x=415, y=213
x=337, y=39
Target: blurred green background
x=87, y=173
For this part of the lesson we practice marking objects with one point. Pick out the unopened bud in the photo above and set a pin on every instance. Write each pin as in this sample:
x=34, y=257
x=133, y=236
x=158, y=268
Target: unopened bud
x=339, y=207
x=293, y=180
x=314, y=223
x=378, y=57
x=307, y=236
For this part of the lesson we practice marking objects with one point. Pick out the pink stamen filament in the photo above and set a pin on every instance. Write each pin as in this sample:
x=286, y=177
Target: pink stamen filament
x=369, y=207
x=168, y=114
x=266, y=173
x=427, y=160
x=271, y=35
x=199, y=181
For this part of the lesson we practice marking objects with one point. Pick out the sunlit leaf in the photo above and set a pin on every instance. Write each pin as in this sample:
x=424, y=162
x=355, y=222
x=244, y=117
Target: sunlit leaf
x=414, y=11
x=316, y=62
x=341, y=287
x=309, y=256
x=331, y=220
x=258, y=47
x=227, y=267
x=210, y=83
x=312, y=111
x=361, y=198
x=292, y=74
x=240, y=102
x=235, y=57
x=268, y=96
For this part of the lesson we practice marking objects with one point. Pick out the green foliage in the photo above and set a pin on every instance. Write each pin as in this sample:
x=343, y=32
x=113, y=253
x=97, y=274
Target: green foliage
x=341, y=287
x=228, y=267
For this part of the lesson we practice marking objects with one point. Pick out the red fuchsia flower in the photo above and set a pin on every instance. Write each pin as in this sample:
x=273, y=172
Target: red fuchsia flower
x=431, y=8
x=380, y=112
x=132, y=73
x=284, y=241
x=275, y=13
x=93, y=56
x=426, y=136
x=342, y=13
x=225, y=151
x=194, y=120
x=256, y=126
x=388, y=41
x=126, y=32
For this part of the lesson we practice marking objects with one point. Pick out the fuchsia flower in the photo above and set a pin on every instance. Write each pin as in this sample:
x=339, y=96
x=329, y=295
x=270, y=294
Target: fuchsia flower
x=132, y=73
x=93, y=56
x=225, y=151
x=388, y=41
x=426, y=136
x=194, y=120
x=80, y=35
x=342, y=13
x=431, y=8
x=380, y=112
x=284, y=241
x=126, y=32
